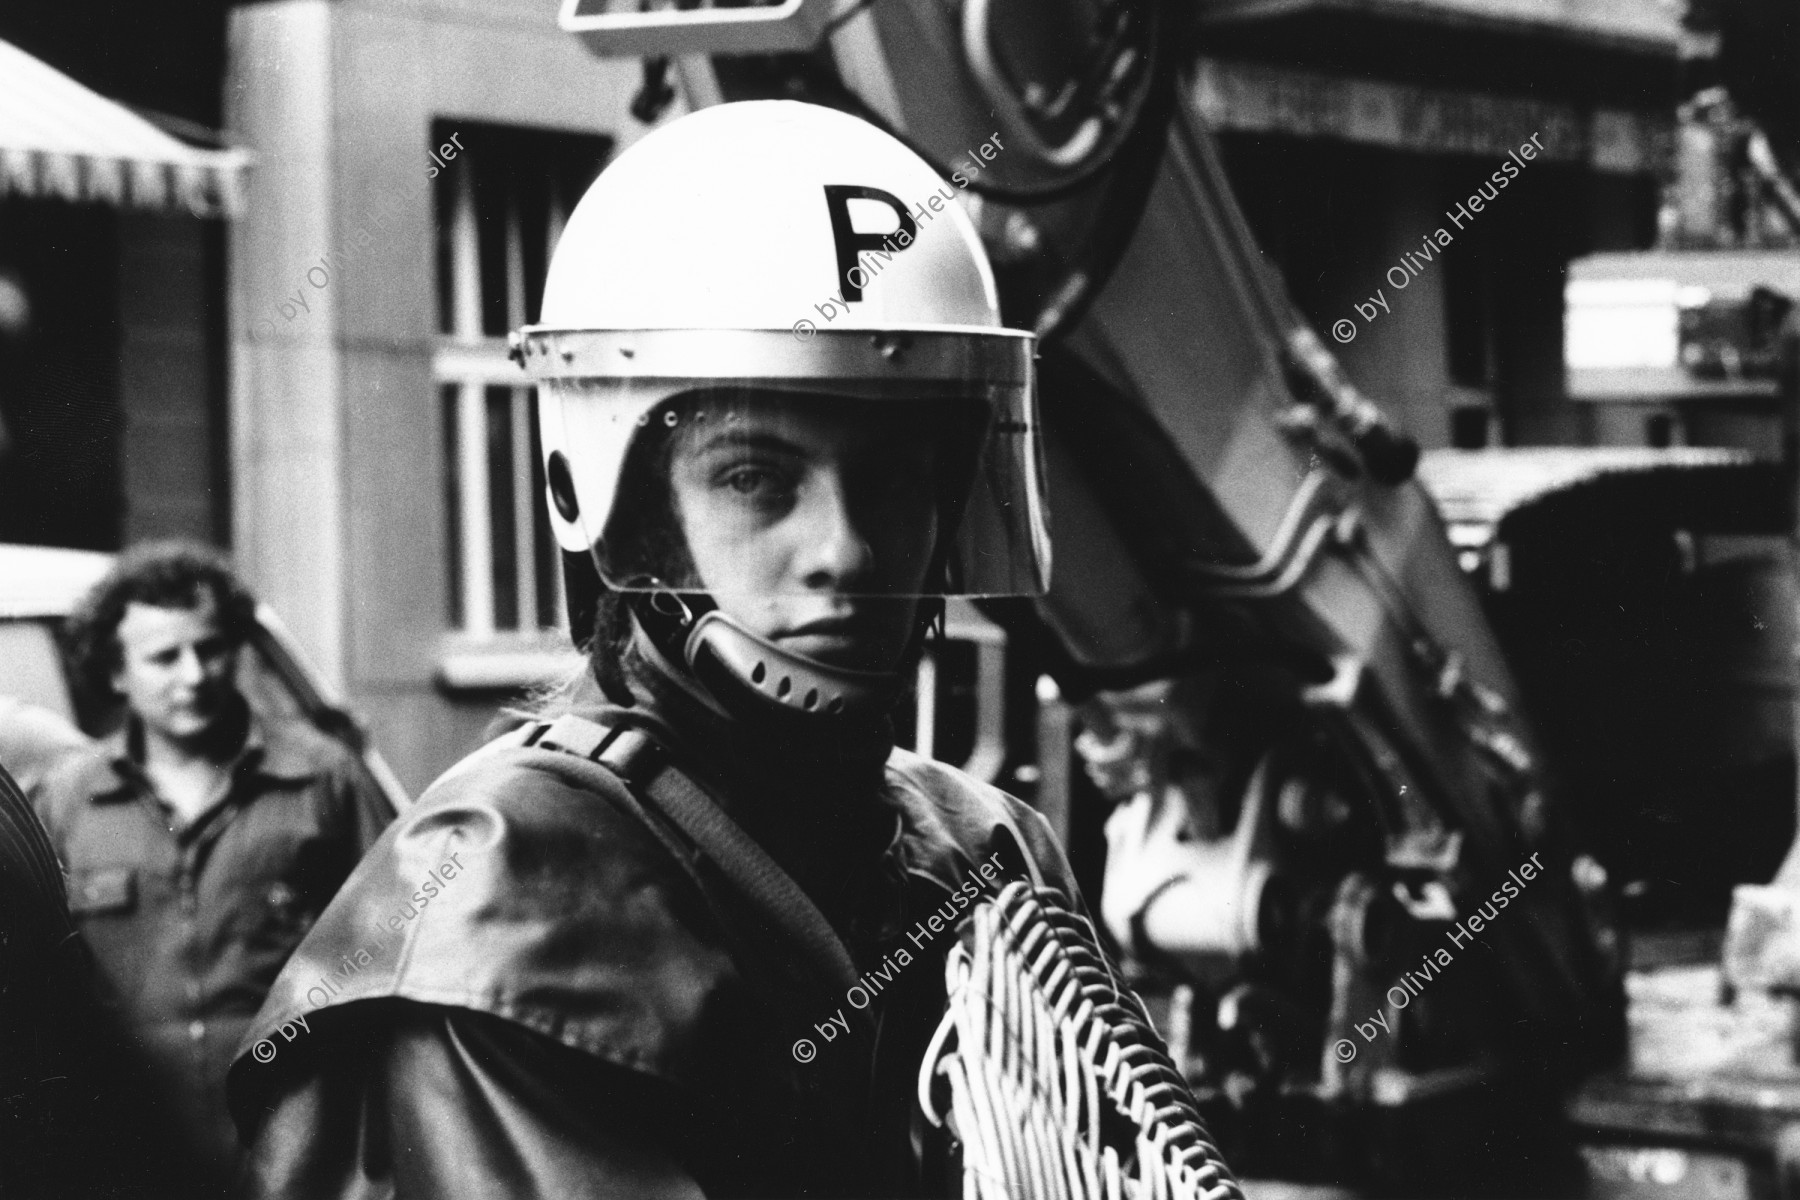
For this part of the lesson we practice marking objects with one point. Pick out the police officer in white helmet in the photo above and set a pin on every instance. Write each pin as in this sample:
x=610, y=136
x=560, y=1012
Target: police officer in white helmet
x=684, y=934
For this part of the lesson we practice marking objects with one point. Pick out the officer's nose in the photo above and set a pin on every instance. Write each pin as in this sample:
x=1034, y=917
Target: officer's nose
x=834, y=553
x=189, y=669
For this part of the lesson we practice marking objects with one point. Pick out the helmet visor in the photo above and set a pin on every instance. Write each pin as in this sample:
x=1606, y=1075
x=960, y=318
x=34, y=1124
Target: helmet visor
x=772, y=488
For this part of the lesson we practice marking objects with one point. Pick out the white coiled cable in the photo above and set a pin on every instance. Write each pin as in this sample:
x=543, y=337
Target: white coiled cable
x=1059, y=1089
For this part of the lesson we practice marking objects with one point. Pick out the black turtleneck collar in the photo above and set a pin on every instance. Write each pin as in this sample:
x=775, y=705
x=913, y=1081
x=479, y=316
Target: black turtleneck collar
x=808, y=788
x=808, y=751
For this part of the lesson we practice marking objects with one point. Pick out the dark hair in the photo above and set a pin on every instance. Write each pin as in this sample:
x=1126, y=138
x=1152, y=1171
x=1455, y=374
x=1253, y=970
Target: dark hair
x=643, y=531
x=169, y=574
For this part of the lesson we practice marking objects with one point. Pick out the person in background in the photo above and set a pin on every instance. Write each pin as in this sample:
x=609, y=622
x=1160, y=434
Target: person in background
x=200, y=839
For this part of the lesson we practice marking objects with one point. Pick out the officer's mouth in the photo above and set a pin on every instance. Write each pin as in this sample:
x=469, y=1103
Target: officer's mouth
x=842, y=641
x=203, y=710
x=200, y=716
x=192, y=709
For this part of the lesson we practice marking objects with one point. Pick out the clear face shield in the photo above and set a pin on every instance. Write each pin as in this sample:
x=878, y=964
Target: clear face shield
x=891, y=483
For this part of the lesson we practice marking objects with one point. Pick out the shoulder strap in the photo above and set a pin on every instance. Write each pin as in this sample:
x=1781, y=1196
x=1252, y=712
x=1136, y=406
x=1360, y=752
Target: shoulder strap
x=777, y=901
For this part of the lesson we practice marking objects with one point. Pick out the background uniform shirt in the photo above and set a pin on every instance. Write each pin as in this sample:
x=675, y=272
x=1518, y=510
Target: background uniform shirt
x=189, y=925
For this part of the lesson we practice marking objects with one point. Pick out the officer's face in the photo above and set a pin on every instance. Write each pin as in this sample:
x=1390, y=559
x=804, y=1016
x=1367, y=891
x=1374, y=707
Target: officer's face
x=812, y=524
x=176, y=668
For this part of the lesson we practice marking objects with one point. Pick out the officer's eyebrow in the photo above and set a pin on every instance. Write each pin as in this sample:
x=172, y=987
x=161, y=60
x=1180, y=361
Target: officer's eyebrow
x=742, y=439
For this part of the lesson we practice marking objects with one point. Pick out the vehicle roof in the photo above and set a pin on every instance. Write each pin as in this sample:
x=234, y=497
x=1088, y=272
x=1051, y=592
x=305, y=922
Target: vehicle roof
x=46, y=581
x=1477, y=490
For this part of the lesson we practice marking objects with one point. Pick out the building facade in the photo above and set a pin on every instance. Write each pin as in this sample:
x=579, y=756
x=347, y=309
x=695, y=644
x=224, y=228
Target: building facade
x=322, y=383
x=1356, y=136
x=417, y=160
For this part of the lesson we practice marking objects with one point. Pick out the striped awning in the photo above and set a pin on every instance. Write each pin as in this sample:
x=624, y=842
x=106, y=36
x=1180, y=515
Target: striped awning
x=59, y=139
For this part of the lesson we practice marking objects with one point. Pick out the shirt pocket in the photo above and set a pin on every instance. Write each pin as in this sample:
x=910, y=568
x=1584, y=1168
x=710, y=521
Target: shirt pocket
x=102, y=890
x=286, y=911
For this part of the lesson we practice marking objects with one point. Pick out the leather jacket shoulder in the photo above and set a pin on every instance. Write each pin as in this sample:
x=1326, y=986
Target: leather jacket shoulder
x=565, y=917
x=519, y=887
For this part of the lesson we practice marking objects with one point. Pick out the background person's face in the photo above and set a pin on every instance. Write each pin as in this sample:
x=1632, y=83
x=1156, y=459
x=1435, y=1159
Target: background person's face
x=812, y=524
x=176, y=668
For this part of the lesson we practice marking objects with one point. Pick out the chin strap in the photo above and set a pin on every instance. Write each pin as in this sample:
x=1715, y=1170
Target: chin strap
x=718, y=649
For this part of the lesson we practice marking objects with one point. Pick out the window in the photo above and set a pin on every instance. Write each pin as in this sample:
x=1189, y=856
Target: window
x=501, y=205
x=1469, y=320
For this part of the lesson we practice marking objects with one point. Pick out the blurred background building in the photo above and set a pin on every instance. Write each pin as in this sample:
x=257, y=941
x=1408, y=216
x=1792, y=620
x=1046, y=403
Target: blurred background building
x=320, y=381
x=316, y=376
x=1351, y=130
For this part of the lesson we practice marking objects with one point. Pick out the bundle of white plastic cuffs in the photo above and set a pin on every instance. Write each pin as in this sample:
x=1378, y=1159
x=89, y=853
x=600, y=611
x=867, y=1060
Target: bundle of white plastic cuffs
x=1058, y=1087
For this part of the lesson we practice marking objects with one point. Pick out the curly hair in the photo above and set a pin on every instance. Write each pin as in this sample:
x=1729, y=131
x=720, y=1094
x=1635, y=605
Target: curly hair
x=168, y=574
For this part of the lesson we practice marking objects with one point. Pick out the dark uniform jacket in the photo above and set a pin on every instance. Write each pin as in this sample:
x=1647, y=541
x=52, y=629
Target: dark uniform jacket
x=564, y=1015
x=189, y=926
x=42, y=1018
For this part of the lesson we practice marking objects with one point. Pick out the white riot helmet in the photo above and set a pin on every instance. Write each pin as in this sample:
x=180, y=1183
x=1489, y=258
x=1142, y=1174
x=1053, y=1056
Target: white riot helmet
x=772, y=253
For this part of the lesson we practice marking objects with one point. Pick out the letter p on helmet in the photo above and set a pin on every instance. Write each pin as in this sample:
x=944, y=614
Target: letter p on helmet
x=849, y=243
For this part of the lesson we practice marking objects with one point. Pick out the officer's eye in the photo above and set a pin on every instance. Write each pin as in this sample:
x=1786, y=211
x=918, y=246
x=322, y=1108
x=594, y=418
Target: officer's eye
x=212, y=649
x=758, y=482
x=748, y=480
